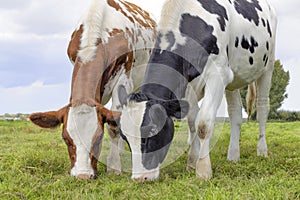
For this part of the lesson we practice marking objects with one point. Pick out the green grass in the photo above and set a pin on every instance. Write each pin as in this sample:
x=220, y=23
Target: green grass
x=34, y=165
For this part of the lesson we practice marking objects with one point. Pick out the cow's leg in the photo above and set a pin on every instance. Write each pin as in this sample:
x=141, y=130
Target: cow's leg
x=234, y=107
x=262, y=107
x=116, y=143
x=193, y=139
x=113, y=159
x=214, y=90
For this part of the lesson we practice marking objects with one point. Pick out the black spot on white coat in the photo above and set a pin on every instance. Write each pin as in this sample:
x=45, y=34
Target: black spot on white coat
x=269, y=28
x=214, y=7
x=236, y=42
x=248, y=9
x=263, y=22
x=251, y=60
x=249, y=45
x=188, y=59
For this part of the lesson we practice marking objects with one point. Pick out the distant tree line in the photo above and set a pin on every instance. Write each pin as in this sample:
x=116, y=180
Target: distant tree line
x=14, y=117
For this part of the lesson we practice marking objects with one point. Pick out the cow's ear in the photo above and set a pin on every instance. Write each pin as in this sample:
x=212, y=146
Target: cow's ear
x=111, y=117
x=122, y=95
x=158, y=117
x=176, y=108
x=50, y=119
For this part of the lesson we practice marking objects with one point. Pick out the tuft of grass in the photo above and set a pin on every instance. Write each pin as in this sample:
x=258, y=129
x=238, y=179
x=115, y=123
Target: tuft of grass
x=34, y=164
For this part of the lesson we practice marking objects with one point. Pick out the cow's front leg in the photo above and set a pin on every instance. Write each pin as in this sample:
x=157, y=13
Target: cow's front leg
x=116, y=142
x=113, y=159
x=214, y=90
x=193, y=140
x=234, y=107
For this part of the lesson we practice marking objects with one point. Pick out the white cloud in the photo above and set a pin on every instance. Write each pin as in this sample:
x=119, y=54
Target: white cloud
x=292, y=102
x=14, y=4
x=41, y=17
x=25, y=58
x=33, y=98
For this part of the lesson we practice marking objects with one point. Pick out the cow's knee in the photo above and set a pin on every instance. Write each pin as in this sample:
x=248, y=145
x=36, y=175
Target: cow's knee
x=203, y=130
x=113, y=159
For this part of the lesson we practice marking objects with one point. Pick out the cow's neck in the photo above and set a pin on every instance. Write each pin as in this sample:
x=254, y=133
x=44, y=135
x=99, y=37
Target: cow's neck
x=90, y=77
x=164, y=78
x=86, y=79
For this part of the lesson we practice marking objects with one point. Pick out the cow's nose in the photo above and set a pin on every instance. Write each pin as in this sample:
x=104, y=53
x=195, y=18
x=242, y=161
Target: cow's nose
x=85, y=176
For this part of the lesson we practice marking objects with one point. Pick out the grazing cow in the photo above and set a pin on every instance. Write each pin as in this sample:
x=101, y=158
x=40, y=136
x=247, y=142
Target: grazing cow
x=111, y=47
x=203, y=48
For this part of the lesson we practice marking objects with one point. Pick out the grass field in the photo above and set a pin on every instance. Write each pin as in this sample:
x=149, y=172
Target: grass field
x=34, y=165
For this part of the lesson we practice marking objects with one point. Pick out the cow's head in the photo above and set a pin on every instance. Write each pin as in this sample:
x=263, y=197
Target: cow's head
x=148, y=128
x=82, y=131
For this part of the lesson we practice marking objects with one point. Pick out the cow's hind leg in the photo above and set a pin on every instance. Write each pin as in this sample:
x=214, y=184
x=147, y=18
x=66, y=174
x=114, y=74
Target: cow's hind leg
x=262, y=106
x=234, y=107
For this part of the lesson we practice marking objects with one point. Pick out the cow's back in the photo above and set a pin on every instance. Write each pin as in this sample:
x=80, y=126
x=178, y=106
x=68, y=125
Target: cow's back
x=235, y=33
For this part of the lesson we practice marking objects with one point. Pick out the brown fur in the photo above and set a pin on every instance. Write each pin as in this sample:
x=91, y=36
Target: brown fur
x=135, y=11
x=74, y=44
x=202, y=130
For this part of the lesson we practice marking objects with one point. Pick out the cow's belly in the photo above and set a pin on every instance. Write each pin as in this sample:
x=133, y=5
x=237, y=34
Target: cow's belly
x=243, y=75
x=247, y=66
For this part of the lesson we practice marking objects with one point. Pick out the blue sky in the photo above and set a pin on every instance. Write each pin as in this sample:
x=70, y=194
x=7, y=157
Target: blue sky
x=35, y=72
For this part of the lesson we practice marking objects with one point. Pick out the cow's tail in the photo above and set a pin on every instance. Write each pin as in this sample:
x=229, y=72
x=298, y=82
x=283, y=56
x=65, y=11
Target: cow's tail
x=250, y=99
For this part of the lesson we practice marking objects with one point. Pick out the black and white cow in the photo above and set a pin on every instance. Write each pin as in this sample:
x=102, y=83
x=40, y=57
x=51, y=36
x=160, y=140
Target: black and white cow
x=204, y=47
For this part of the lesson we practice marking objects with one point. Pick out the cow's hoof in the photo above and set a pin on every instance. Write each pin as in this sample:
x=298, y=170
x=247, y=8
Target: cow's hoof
x=113, y=171
x=233, y=155
x=262, y=149
x=190, y=167
x=203, y=169
x=262, y=152
x=85, y=176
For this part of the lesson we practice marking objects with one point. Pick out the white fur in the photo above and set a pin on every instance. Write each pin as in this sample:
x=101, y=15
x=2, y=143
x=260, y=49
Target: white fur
x=82, y=125
x=234, y=106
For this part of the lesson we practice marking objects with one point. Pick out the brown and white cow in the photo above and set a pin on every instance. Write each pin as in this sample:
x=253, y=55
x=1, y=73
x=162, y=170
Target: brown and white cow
x=110, y=47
